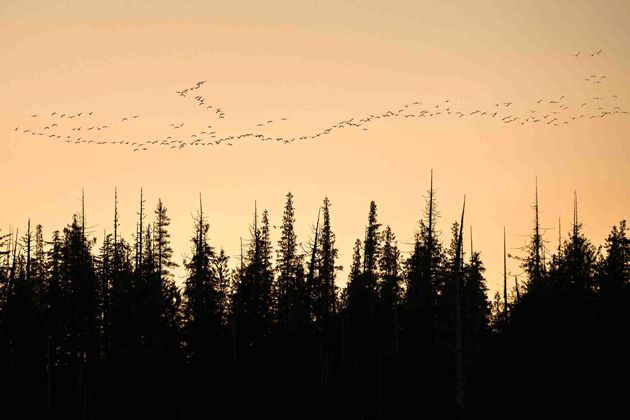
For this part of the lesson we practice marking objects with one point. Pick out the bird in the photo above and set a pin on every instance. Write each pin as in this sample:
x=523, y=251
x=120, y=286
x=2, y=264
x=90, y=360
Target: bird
x=576, y=54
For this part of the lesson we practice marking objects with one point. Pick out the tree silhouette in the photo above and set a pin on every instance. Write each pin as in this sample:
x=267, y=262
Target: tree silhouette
x=101, y=329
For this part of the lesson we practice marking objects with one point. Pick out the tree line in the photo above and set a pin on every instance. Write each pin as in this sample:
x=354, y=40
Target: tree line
x=100, y=332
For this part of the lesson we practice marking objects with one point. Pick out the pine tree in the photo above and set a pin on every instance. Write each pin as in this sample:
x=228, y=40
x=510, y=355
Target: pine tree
x=423, y=269
x=81, y=308
x=221, y=267
x=39, y=260
x=355, y=303
x=533, y=263
x=371, y=247
x=325, y=289
x=104, y=271
x=475, y=307
x=614, y=272
x=169, y=294
x=575, y=267
x=390, y=297
x=162, y=247
x=290, y=290
x=390, y=289
x=253, y=290
x=202, y=293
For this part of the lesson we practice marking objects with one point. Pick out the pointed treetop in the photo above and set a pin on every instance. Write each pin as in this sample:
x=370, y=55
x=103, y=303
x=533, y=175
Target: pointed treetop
x=575, y=215
x=255, y=217
x=472, y=251
x=505, y=304
x=83, y=213
x=461, y=227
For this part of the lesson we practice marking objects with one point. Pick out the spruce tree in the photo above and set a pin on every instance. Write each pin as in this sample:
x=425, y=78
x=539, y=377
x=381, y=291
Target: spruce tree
x=290, y=290
x=325, y=289
x=614, y=272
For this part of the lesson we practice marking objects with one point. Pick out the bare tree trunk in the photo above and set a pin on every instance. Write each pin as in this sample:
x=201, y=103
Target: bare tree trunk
x=459, y=363
x=311, y=273
x=505, y=301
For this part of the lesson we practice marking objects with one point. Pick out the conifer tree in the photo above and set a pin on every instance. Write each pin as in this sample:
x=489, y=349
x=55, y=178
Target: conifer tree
x=533, y=262
x=202, y=293
x=252, y=299
x=614, y=274
x=169, y=294
x=423, y=269
x=290, y=290
x=390, y=290
x=325, y=288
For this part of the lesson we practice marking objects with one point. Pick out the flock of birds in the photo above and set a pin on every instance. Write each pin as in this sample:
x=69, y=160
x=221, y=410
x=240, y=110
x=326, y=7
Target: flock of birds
x=554, y=112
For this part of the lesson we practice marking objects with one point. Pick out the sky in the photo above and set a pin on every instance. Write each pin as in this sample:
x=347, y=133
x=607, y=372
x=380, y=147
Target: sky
x=307, y=66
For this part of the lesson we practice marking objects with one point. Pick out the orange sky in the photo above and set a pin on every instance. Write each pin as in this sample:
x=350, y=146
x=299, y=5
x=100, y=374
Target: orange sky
x=318, y=63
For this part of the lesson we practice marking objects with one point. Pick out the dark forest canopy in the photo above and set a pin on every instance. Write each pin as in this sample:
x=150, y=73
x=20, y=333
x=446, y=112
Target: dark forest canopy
x=105, y=332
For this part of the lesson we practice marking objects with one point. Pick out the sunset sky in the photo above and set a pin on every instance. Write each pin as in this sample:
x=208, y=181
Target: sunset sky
x=316, y=64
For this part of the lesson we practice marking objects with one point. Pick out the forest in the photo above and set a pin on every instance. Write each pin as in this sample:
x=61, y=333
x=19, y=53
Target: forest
x=100, y=329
